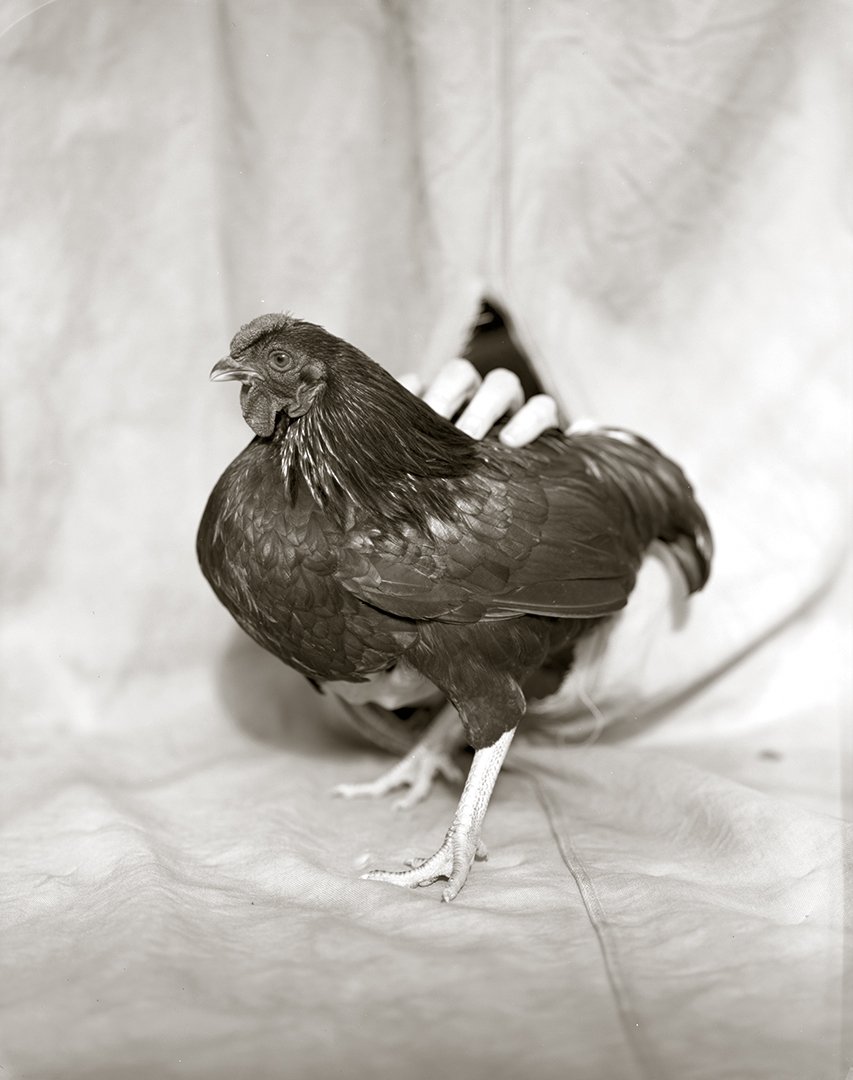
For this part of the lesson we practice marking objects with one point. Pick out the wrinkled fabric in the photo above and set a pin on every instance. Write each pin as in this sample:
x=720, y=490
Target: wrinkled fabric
x=654, y=193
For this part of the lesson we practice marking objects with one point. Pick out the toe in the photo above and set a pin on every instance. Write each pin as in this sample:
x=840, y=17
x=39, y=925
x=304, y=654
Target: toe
x=462, y=860
x=454, y=885
x=448, y=769
x=421, y=872
x=352, y=791
x=416, y=793
x=405, y=879
x=388, y=877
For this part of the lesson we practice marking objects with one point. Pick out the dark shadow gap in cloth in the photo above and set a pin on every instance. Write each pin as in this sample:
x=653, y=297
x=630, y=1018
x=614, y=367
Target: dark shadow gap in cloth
x=493, y=344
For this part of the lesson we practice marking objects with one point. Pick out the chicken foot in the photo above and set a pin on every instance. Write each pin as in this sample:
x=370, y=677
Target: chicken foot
x=430, y=757
x=462, y=843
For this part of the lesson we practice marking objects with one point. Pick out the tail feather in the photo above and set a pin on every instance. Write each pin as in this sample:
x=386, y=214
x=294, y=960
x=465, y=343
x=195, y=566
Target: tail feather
x=659, y=495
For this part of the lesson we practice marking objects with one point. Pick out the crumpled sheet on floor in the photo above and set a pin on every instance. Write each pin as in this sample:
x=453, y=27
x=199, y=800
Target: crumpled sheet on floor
x=653, y=191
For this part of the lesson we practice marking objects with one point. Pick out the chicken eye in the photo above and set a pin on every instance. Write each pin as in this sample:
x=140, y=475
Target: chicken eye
x=279, y=360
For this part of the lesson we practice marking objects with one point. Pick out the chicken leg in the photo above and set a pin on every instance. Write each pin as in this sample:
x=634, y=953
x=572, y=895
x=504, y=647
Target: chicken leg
x=462, y=843
x=431, y=756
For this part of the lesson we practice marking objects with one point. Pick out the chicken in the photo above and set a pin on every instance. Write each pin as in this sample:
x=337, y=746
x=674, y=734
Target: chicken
x=360, y=533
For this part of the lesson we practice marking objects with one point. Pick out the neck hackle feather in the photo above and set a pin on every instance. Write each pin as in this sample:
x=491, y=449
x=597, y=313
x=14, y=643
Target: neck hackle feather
x=367, y=443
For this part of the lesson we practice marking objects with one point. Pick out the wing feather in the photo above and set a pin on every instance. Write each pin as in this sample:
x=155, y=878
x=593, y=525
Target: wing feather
x=538, y=537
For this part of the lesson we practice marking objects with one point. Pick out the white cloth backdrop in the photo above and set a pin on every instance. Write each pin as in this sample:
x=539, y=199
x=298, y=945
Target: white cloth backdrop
x=654, y=191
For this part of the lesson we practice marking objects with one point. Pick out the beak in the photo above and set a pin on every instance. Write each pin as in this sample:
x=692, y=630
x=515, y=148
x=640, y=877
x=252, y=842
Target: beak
x=229, y=368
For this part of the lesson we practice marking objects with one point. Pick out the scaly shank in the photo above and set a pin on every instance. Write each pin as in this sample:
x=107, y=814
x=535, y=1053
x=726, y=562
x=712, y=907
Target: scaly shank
x=462, y=843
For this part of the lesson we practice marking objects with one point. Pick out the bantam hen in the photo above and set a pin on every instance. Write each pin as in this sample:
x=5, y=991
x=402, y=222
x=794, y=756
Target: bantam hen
x=360, y=532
